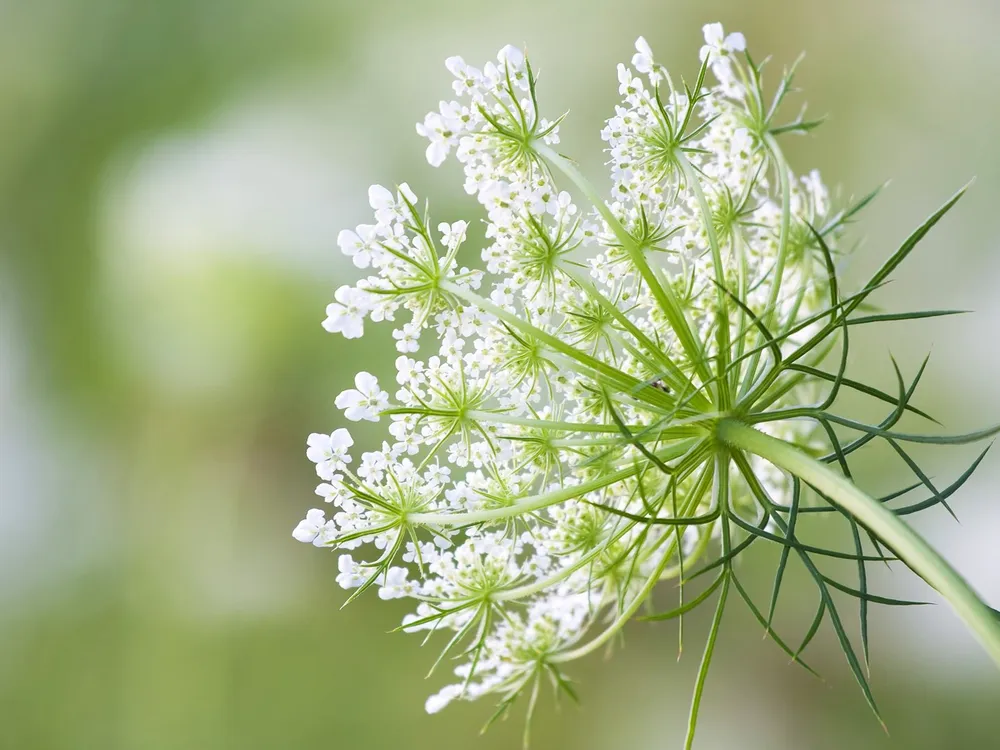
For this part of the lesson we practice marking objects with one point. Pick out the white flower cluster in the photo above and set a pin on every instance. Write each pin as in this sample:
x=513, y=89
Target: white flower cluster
x=550, y=460
x=410, y=267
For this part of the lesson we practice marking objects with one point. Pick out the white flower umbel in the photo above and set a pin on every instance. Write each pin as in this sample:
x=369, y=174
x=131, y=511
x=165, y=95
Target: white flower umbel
x=633, y=391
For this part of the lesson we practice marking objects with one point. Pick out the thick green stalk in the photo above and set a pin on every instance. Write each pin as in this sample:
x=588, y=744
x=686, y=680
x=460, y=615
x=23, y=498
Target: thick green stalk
x=720, y=490
x=896, y=533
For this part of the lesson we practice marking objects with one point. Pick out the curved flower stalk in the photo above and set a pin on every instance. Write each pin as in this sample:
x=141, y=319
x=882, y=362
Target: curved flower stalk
x=633, y=391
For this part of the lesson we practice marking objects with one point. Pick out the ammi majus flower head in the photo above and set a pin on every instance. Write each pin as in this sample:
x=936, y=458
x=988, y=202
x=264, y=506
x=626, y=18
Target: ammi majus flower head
x=630, y=391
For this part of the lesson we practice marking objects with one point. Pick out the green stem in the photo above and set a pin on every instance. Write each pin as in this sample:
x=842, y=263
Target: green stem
x=720, y=490
x=724, y=354
x=520, y=592
x=679, y=380
x=626, y=614
x=905, y=542
x=629, y=383
x=544, y=424
x=658, y=575
x=545, y=499
x=770, y=312
x=663, y=293
x=786, y=219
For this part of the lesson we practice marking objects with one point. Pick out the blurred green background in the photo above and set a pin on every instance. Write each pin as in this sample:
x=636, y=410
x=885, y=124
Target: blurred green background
x=173, y=176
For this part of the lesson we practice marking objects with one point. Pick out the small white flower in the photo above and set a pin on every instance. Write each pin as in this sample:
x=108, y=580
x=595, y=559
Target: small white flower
x=350, y=574
x=394, y=586
x=513, y=58
x=389, y=209
x=329, y=452
x=453, y=235
x=373, y=465
x=407, y=338
x=407, y=370
x=365, y=400
x=442, y=698
x=329, y=492
x=358, y=245
x=718, y=44
x=643, y=60
x=437, y=474
x=347, y=314
x=310, y=527
x=468, y=79
x=381, y=200
x=629, y=86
